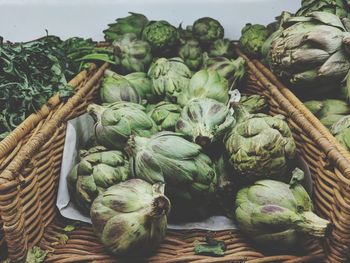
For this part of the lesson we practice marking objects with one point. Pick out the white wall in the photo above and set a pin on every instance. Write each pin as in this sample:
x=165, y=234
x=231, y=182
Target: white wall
x=23, y=20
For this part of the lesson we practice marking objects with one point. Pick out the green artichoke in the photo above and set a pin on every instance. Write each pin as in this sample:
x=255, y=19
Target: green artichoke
x=253, y=38
x=337, y=7
x=169, y=77
x=259, y=146
x=341, y=131
x=167, y=157
x=162, y=36
x=207, y=30
x=233, y=70
x=191, y=53
x=185, y=34
x=132, y=54
x=165, y=115
x=143, y=85
x=255, y=103
x=328, y=111
x=131, y=217
x=134, y=23
x=221, y=48
x=205, y=121
x=312, y=53
x=276, y=28
x=98, y=169
x=116, y=122
x=115, y=88
x=205, y=84
x=277, y=215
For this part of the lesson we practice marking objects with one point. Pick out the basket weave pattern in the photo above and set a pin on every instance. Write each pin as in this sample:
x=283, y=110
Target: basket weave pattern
x=10, y=146
x=28, y=188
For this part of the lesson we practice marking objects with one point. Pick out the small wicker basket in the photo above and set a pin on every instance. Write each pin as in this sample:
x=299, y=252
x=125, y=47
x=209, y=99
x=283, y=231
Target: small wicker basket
x=28, y=188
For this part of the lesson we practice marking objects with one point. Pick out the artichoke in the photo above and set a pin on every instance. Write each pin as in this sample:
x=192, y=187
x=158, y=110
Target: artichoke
x=277, y=215
x=207, y=30
x=132, y=54
x=165, y=115
x=259, y=146
x=162, y=36
x=255, y=103
x=98, y=169
x=276, y=28
x=116, y=122
x=233, y=70
x=341, y=131
x=143, y=85
x=131, y=217
x=205, y=84
x=205, y=121
x=312, y=53
x=253, y=38
x=191, y=53
x=221, y=48
x=134, y=23
x=185, y=34
x=169, y=77
x=115, y=88
x=337, y=7
x=188, y=173
x=328, y=111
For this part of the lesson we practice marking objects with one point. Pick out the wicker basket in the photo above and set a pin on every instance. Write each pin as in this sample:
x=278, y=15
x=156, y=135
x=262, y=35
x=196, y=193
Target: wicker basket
x=28, y=188
x=10, y=146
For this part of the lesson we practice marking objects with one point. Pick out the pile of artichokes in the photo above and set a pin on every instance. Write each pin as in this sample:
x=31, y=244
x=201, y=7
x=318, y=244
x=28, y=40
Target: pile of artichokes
x=309, y=51
x=171, y=143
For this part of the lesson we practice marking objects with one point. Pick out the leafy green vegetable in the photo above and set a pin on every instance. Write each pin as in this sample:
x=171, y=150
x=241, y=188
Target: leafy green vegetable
x=32, y=72
x=215, y=248
x=36, y=255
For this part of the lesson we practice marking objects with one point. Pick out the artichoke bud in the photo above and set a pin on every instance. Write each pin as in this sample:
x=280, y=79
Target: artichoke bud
x=233, y=70
x=169, y=77
x=132, y=54
x=254, y=103
x=134, y=23
x=205, y=121
x=162, y=36
x=165, y=115
x=131, y=217
x=259, y=146
x=191, y=53
x=207, y=30
x=116, y=122
x=205, y=83
x=276, y=215
x=169, y=158
x=221, y=48
x=115, y=88
x=143, y=85
x=253, y=38
x=98, y=169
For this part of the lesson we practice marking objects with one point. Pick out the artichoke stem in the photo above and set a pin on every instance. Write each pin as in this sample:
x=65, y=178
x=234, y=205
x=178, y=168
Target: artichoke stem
x=95, y=111
x=313, y=224
x=161, y=206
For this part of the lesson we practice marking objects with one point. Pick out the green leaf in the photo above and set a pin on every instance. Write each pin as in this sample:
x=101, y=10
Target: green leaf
x=36, y=255
x=215, y=248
